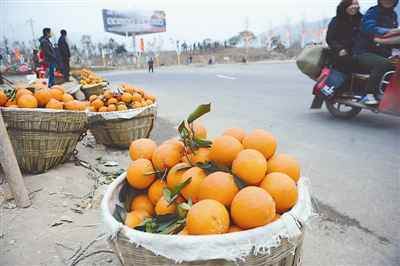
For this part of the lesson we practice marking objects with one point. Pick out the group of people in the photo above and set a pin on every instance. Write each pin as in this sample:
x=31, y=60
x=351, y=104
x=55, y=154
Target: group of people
x=351, y=38
x=55, y=58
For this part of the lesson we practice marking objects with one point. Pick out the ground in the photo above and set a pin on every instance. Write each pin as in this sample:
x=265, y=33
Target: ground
x=353, y=166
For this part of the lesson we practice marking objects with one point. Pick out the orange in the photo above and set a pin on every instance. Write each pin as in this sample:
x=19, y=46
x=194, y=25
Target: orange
x=277, y=217
x=10, y=102
x=128, y=89
x=27, y=101
x=199, y=130
x=112, y=108
x=175, y=142
x=21, y=92
x=286, y=164
x=199, y=156
x=250, y=166
x=234, y=229
x=59, y=87
x=3, y=98
x=163, y=207
x=207, y=217
x=218, y=186
x=155, y=191
x=137, y=105
x=54, y=104
x=142, y=202
x=236, y=132
x=92, y=109
x=43, y=96
x=108, y=94
x=103, y=109
x=126, y=97
x=74, y=105
x=12, y=106
x=142, y=148
x=140, y=91
x=149, y=102
x=283, y=190
x=192, y=189
x=92, y=98
x=57, y=94
x=135, y=97
x=134, y=218
x=252, y=207
x=224, y=150
x=112, y=101
x=121, y=107
x=139, y=174
x=98, y=103
x=261, y=140
x=150, y=97
x=175, y=174
x=166, y=156
x=67, y=97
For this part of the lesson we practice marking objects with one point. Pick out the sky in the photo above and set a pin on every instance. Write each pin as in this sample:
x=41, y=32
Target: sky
x=187, y=20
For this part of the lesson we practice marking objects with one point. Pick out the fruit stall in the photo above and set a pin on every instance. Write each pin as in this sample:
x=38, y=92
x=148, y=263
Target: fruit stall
x=231, y=201
x=47, y=123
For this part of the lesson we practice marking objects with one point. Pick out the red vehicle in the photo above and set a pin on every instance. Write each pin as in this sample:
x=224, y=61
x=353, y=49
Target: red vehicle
x=346, y=103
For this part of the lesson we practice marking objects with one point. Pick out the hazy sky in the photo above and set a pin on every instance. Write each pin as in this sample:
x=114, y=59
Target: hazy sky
x=186, y=19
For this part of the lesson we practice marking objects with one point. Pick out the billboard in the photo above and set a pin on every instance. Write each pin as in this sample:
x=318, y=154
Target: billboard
x=134, y=22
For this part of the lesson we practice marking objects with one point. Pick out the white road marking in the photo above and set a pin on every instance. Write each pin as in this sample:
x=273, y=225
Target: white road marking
x=226, y=77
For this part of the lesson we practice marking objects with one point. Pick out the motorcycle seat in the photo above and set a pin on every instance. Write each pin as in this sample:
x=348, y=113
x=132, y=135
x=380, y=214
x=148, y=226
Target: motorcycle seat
x=360, y=76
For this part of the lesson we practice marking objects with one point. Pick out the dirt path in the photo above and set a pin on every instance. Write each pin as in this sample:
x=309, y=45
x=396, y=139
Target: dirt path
x=60, y=222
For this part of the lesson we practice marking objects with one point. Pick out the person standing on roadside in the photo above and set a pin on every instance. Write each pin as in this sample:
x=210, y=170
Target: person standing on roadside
x=65, y=54
x=49, y=53
x=151, y=64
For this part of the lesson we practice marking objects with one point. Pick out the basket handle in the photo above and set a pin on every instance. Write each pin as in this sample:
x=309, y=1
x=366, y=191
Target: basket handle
x=153, y=118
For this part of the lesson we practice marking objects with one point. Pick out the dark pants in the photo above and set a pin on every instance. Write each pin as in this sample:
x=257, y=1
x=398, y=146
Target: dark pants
x=65, y=68
x=346, y=64
x=151, y=68
x=376, y=66
x=52, y=79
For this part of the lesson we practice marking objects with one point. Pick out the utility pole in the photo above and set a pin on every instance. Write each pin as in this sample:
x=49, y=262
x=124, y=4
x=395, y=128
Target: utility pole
x=31, y=21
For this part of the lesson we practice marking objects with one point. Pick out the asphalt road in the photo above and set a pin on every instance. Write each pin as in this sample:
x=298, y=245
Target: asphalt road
x=354, y=166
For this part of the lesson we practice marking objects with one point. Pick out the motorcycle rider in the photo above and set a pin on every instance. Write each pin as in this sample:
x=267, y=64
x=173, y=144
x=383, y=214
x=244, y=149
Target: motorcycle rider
x=372, y=57
x=341, y=34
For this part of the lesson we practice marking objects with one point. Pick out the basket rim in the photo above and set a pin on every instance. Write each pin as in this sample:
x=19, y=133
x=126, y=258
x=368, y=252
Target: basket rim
x=294, y=214
x=35, y=110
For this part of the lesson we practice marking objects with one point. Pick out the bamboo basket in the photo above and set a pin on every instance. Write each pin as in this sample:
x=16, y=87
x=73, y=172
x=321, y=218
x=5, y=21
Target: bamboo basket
x=43, y=139
x=119, y=129
x=90, y=90
x=161, y=250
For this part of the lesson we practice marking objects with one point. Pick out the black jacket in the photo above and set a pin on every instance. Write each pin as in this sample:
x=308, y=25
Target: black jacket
x=342, y=31
x=64, y=48
x=376, y=22
x=48, y=50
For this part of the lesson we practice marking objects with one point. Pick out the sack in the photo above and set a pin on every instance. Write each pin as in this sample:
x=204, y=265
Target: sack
x=328, y=81
x=311, y=60
x=391, y=99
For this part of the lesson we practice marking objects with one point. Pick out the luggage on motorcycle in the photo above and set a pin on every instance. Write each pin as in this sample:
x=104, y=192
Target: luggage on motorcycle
x=329, y=80
x=311, y=60
x=390, y=103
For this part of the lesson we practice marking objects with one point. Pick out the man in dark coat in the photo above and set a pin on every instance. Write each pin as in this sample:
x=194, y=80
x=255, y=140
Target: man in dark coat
x=49, y=52
x=378, y=21
x=341, y=35
x=65, y=54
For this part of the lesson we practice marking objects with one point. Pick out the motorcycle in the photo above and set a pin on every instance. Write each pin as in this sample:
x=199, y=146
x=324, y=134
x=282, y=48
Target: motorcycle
x=345, y=103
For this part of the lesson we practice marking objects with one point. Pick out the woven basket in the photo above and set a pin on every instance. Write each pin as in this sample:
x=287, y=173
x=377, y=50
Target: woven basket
x=42, y=139
x=287, y=254
x=289, y=229
x=93, y=90
x=119, y=132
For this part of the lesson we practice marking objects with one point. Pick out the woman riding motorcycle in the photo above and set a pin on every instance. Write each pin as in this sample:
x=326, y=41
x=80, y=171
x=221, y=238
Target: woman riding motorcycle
x=372, y=57
x=341, y=34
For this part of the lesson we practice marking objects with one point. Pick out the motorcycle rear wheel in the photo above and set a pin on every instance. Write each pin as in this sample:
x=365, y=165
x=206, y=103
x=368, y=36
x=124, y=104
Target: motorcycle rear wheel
x=340, y=110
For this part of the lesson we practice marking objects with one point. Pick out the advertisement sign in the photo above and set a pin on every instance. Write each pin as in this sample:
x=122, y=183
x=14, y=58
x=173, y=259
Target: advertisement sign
x=134, y=22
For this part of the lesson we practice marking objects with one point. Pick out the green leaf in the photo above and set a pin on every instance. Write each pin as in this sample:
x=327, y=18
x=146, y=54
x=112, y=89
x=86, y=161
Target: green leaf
x=239, y=182
x=177, y=189
x=167, y=194
x=200, y=111
x=183, y=130
x=202, y=143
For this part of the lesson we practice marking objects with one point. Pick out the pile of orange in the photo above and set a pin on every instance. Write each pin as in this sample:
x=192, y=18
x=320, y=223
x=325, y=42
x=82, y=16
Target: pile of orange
x=88, y=77
x=127, y=97
x=254, y=186
x=41, y=97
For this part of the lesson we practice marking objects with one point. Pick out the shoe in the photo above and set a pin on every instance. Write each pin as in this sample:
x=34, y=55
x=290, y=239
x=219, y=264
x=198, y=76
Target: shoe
x=369, y=100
